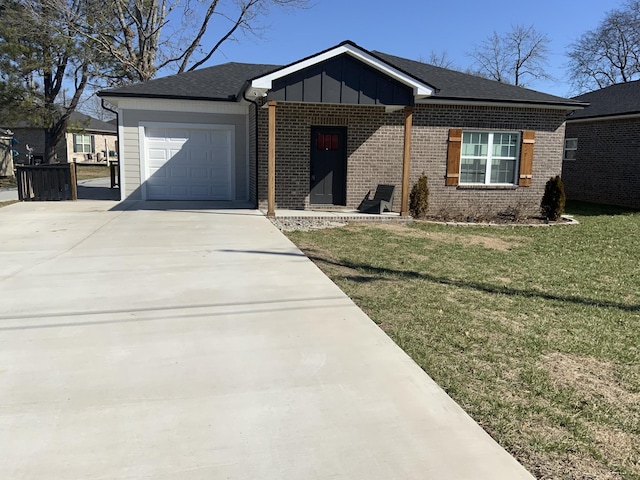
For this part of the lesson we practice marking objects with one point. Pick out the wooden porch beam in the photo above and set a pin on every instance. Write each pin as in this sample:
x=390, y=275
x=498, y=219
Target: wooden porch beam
x=406, y=161
x=271, y=177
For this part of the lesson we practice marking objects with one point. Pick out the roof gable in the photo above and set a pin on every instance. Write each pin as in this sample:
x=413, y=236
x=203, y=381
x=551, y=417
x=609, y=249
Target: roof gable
x=341, y=80
x=419, y=87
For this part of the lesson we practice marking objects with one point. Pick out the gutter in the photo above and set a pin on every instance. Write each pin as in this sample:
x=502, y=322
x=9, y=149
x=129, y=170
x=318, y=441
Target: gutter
x=604, y=118
x=119, y=147
x=107, y=93
x=503, y=103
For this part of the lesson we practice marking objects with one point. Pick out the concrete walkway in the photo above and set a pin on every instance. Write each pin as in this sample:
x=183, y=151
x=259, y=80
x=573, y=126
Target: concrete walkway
x=194, y=343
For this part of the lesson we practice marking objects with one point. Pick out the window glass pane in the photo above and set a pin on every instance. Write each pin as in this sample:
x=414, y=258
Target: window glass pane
x=81, y=143
x=503, y=171
x=504, y=145
x=473, y=170
x=571, y=143
x=475, y=144
x=570, y=154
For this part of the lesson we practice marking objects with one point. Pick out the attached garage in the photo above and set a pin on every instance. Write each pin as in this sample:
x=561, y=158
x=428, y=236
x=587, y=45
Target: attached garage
x=188, y=161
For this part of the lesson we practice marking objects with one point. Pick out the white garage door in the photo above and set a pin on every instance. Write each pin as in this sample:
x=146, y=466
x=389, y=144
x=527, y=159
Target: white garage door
x=190, y=163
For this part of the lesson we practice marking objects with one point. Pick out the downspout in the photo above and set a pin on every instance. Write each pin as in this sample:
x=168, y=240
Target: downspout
x=255, y=104
x=119, y=143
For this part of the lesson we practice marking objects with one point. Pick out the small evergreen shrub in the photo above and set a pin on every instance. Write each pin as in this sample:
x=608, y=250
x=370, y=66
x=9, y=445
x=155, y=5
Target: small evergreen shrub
x=419, y=198
x=553, y=200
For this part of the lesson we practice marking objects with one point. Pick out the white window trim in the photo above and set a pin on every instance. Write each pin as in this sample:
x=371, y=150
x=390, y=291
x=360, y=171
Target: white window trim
x=564, y=152
x=83, y=143
x=490, y=157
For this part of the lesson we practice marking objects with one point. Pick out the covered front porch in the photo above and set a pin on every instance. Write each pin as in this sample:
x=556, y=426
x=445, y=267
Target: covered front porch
x=330, y=129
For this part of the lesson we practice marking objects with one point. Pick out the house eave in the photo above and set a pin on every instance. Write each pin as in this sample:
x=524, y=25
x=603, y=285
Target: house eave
x=501, y=103
x=605, y=118
x=107, y=96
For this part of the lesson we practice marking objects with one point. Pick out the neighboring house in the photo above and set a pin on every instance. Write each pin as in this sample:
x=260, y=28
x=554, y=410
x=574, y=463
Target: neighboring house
x=6, y=153
x=602, y=147
x=325, y=130
x=86, y=139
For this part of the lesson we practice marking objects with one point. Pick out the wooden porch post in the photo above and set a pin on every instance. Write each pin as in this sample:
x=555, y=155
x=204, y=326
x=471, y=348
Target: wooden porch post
x=271, y=178
x=406, y=161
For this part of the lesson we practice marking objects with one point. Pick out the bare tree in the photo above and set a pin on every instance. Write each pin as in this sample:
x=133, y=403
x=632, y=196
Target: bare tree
x=517, y=57
x=608, y=54
x=145, y=36
x=92, y=107
x=438, y=59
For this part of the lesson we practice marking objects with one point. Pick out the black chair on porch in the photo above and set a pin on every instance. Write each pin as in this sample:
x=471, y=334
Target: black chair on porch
x=382, y=200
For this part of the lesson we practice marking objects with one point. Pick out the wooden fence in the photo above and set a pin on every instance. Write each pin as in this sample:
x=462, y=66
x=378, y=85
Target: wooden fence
x=41, y=183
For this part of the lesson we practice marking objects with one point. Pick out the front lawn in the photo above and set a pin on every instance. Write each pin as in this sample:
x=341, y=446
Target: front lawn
x=85, y=172
x=7, y=182
x=535, y=332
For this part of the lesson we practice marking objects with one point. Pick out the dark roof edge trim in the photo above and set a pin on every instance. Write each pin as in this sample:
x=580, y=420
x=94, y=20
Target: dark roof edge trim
x=611, y=116
x=107, y=94
x=490, y=102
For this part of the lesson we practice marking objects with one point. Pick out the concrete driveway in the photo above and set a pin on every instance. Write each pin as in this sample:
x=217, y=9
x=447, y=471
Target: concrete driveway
x=196, y=343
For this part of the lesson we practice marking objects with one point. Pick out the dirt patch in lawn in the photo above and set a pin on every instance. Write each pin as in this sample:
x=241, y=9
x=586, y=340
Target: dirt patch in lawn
x=592, y=378
x=617, y=446
x=572, y=466
x=483, y=241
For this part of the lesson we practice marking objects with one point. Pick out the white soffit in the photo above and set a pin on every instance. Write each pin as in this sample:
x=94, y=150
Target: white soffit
x=419, y=89
x=178, y=105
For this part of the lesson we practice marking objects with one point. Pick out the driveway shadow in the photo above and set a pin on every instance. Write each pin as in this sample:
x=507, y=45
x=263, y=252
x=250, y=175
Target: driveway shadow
x=87, y=192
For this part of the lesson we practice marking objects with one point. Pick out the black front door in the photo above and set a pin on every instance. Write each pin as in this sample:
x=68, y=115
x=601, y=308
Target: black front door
x=328, y=165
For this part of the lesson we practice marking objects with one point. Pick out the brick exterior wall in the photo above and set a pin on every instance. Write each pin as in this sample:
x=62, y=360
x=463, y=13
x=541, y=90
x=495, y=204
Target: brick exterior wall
x=375, y=146
x=607, y=160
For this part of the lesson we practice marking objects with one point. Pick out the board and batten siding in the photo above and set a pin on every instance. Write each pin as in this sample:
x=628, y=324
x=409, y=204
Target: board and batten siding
x=135, y=112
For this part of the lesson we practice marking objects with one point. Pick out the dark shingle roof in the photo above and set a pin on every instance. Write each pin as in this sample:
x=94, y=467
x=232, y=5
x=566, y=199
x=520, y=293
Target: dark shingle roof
x=222, y=82
x=226, y=82
x=619, y=99
x=77, y=121
x=85, y=122
x=454, y=85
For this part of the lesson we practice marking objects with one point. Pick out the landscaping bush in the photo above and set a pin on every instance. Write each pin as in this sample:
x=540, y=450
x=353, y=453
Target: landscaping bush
x=419, y=198
x=553, y=200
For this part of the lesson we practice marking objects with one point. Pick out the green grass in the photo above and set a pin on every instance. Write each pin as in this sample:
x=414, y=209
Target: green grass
x=535, y=332
x=5, y=203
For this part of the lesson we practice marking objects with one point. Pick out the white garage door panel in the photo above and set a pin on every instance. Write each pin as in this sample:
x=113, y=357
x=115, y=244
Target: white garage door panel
x=189, y=163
